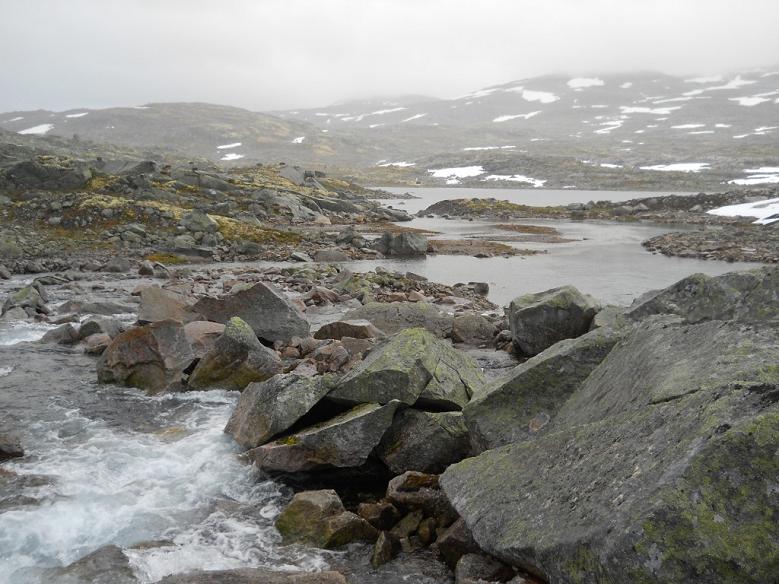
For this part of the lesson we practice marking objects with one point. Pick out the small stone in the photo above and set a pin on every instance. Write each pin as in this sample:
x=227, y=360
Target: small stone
x=384, y=550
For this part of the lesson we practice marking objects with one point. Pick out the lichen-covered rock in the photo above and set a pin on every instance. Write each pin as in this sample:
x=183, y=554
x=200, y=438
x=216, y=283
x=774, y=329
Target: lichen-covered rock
x=521, y=402
x=538, y=321
x=661, y=468
x=268, y=408
x=32, y=299
x=236, y=360
x=270, y=314
x=197, y=220
x=160, y=304
x=472, y=329
x=424, y=441
x=749, y=296
x=319, y=518
x=345, y=441
x=413, y=366
x=149, y=357
x=394, y=317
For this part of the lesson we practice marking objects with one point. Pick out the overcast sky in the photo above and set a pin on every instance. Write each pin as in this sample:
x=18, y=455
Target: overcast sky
x=284, y=54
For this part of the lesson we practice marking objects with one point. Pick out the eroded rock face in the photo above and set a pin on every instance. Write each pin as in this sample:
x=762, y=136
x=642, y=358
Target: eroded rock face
x=413, y=366
x=658, y=469
x=520, y=403
x=268, y=408
x=236, y=360
x=394, y=317
x=270, y=314
x=345, y=441
x=538, y=321
x=319, y=518
x=150, y=357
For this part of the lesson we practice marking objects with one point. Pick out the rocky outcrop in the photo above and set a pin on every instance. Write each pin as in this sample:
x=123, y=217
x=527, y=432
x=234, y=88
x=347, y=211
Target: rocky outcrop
x=397, y=316
x=271, y=407
x=319, y=518
x=520, y=403
x=538, y=321
x=345, y=441
x=401, y=244
x=658, y=469
x=424, y=441
x=270, y=314
x=236, y=360
x=413, y=366
x=150, y=357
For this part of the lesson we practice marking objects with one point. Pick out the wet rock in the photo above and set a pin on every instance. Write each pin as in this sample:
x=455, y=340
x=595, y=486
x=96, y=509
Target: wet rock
x=15, y=313
x=455, y=542
x=648, y=472
x=272, y=316
x=254, y=576
x=356, y=329
x=384, y=550
x=32, y=299
x=10, y=447
x=382, y=514
x=538, y=321
x=418, y=490
x=521, y=402
x=444, y=436
x=413, y=366
x=330, y=255
x=236, y=360
x=401, y=244
x=345, y=441
x=268, y=408
x=472, y=329
x=96, y=344
x=397, y=316
x=65, y=334
x=202, y=334
x=96, y=325
x=160, y=304
x=477, y=568
x=107, y=565
x=319, y=518
x=149, y=357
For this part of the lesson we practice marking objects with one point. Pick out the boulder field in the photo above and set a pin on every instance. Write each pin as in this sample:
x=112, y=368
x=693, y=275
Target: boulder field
x=626, y=444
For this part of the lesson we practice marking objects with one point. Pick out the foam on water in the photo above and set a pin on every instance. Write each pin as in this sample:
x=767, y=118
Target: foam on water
x=183, y=484
x=17, y=331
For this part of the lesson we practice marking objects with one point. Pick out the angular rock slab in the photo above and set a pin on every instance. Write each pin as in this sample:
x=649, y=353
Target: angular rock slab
x=268, y=311
x=268, y=408
x=424, y=441
x=661, y=468
x=236, y=360
x=345, y=441
x=395, y=317
x=538, y=321
x=522, y=401
x=149, y=357
x=413, y=366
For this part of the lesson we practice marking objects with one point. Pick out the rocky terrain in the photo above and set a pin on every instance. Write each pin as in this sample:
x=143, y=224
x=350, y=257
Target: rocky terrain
x=560, y=441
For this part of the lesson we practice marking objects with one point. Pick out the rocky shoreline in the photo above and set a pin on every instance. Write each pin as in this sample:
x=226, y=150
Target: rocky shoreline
x=560, y=441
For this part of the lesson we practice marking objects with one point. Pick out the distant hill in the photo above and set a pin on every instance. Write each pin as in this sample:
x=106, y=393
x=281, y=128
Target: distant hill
x=598, y=131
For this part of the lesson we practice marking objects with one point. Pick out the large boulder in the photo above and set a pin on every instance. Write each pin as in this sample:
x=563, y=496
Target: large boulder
x=401, y=244
x=272, y=316
x=394, y=317
x=443, y=434
x=345, y=441
x=747, y=296
x=538, y=321
x=271, y=407
x=202, y=335
x=521, y=402
x=160, y=304
x=236, y=360
x=413, y=366
x=661, y=468
x=319, y=518
x=150, y=357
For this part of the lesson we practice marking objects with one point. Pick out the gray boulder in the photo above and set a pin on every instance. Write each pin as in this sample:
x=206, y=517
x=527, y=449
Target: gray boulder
x=65, y=334
x=412, y=367
x=97, y=325
x=268, y=408
x=660, y=468
x=401, y=244
x=150, y=357
x=538, y=321
x=394, y=317
x=472, y=329
x=160, y=304
x=521, y=402
x=32, y=299
x=272, y=316
x=236, y=360
x=424, y=441
x=331, y=255
x=345, y=441
x=199, y=221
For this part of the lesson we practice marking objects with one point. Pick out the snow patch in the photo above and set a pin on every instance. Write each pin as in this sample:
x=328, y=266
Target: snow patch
x=701, y=132
x=609, y=165
x=78, y=115
x=609, y=126
x=506, y=118
x=766, y=211
x=16, y=119
x=583, y=82
x=229, y=146
x=626, y=85
x=414, y=117
x=536, y=183
x=540, y=96
x=710, y=79
x=232, y=156
x=298, y=140
x=477, y=148
x=734, y=83
x=398, y=164
x=679, y=167
x=749, y=101
x=38, y=130
x=660, y=111
x=453, y=175
x=688, y=126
